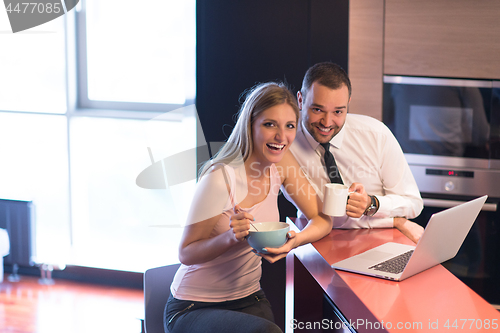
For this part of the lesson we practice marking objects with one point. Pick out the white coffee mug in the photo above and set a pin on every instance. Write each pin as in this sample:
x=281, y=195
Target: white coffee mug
x=335, y=199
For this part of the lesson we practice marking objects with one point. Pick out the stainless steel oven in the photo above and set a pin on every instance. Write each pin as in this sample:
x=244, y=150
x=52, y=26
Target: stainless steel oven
x=449, y=130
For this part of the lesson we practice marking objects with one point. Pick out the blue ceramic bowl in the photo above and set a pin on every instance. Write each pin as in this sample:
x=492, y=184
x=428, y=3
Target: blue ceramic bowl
x=269, y=234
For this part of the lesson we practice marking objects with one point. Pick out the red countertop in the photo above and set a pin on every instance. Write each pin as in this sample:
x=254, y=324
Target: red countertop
x=432, y=299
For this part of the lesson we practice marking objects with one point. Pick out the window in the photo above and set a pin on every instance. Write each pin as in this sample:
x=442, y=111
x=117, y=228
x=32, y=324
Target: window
x=115, y=222
x=77, y=128
x=34, y=168
x=138, y=52
x=33, y=68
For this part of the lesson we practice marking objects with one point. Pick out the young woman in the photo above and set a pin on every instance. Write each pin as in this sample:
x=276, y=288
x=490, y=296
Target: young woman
x=217, y=287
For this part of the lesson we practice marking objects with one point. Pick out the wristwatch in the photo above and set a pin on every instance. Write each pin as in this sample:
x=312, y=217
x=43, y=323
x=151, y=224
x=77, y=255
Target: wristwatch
x=372, y=209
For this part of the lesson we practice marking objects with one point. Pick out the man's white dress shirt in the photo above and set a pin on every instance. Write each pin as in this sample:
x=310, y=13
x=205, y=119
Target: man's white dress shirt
x=366, y=152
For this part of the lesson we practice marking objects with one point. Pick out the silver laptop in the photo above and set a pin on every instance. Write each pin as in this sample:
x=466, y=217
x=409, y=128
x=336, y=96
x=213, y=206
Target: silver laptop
x=441, y=240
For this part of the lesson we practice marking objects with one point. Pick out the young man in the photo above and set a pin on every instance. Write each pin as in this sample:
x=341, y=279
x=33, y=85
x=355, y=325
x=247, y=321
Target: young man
x=366, y=156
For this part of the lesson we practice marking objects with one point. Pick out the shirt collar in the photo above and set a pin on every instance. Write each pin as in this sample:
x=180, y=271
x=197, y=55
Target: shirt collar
x=337, y=140
x=313, y=143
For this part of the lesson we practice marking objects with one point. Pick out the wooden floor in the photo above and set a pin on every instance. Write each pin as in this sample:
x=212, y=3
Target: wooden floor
x=70, y=307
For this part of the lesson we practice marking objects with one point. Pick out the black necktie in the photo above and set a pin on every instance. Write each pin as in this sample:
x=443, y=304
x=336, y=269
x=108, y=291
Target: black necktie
x=331, y=166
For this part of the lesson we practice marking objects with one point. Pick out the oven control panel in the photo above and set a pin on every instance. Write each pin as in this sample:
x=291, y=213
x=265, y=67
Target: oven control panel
x=457, y=181
x=450, y=173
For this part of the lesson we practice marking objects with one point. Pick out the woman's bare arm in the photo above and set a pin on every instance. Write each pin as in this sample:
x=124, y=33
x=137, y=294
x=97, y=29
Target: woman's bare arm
x=305, y=197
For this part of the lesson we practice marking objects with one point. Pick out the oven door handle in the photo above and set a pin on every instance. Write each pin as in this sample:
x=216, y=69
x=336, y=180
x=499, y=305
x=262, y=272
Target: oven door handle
x=490, y=207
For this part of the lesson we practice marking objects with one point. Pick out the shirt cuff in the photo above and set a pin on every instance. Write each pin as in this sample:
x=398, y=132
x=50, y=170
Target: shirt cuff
x=384, y=206
x=376, y=222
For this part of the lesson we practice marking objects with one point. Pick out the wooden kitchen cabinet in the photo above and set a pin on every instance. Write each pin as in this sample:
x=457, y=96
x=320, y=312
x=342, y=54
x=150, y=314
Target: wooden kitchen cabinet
x=366, y=37
x=442, y=38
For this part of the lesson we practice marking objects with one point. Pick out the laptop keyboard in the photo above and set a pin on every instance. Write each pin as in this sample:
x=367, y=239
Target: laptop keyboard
x=394, y=265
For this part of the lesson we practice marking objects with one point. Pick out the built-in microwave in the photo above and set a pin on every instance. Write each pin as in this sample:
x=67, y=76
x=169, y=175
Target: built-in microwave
x=449, y=130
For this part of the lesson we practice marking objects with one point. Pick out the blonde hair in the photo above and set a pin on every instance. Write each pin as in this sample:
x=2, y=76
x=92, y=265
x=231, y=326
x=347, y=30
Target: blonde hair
x=239, y=145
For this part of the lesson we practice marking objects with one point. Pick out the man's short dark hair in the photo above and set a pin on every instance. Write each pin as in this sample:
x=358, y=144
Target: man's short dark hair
x=327, y=74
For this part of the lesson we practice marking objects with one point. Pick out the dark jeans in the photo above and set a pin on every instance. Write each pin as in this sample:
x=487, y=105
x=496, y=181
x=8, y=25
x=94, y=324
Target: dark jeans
x=251, y=314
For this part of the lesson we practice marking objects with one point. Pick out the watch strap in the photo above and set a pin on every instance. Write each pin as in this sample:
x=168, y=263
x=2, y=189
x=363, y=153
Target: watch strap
x=373, y=208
